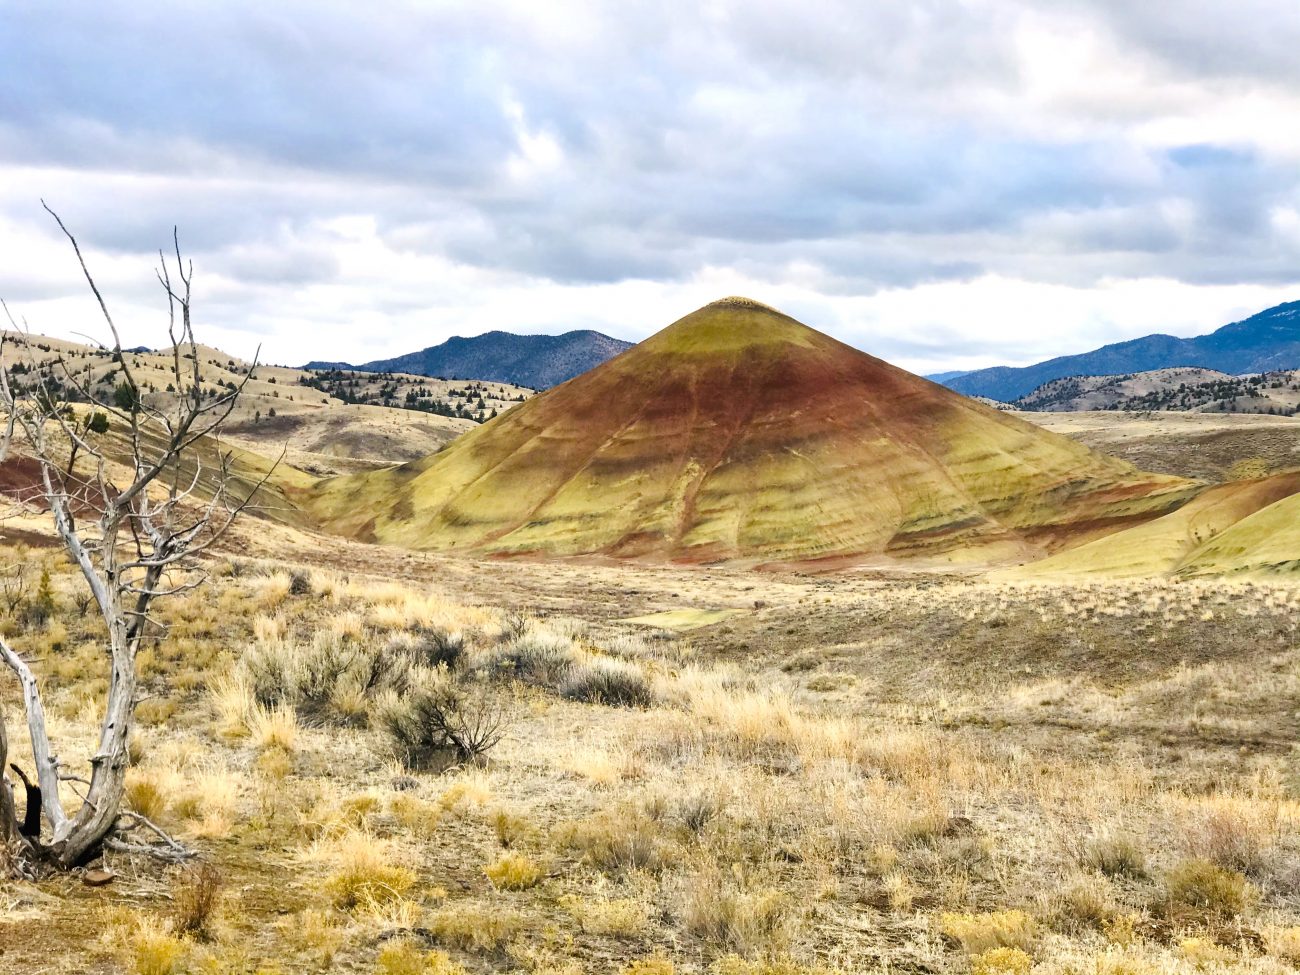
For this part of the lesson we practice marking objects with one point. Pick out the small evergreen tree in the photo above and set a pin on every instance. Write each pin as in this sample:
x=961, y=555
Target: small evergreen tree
x=126, y=397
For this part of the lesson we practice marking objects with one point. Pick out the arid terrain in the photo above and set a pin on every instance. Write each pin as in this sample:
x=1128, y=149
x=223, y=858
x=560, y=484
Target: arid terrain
x=846, y=773
x=1213, y=447
x=772, y=773
x=615, y=488
x=1079, y=759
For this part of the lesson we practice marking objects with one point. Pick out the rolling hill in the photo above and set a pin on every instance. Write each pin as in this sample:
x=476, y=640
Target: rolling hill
x=1266, y=342
x=330, y=422
x=1203, y=390
x=738, y=433
x=536, y=361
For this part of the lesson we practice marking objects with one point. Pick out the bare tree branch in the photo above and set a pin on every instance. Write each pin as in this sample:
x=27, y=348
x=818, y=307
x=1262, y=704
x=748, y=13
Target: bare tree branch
x=168, y=510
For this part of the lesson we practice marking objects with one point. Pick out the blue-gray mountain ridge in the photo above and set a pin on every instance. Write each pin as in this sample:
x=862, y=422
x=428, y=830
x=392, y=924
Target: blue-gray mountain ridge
x=1267, y=341
x=536, y=361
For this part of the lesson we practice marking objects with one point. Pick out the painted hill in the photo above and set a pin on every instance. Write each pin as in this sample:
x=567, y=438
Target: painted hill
x=536, y=361
x=1266, y=342
x=1205, y=390
x=739, y=433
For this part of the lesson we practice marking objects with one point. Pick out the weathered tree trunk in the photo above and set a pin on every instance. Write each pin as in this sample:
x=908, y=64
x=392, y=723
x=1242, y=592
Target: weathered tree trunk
x=87, y=830
x=8, y=814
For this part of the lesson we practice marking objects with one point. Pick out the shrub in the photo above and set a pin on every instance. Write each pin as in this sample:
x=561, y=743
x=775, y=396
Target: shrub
x=327, y=682
x=1208, y=887
x=607, y=680
x=1283, y=943
x=317, y=931
x=1001, y=961
x=620, y=839
x=300, y=583
x=404, y=958
x=898, y=891
x=274, y=728
x=535, y=658
x=650, y=965
x=510, y=828
x=145, y=796
x=433, y=648
x=515, y=624
x=1087, y=902
x=195, y=896
x=41, y=609
x=1115, y=855
x=622, y=917
x=440, y=722
x=696, y=811
x=1232, y=833
x=978, y=933
x=154, y=950
x=417, y=815
x=1122, y=929
x=513, y=871
x=1204, y=953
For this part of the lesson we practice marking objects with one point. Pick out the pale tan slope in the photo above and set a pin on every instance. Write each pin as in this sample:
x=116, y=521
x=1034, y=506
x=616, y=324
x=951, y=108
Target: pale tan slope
x=322, y=433
x=739, y=433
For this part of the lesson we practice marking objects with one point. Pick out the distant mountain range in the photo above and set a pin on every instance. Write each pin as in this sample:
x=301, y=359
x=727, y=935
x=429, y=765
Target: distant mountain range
x=536, y=361
x=1269, y=341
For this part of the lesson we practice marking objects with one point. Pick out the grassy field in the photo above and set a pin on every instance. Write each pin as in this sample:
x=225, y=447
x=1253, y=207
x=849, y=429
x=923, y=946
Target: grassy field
x=849, y=773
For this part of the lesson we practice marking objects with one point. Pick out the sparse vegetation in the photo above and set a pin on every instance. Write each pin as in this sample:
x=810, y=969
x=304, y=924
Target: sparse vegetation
x=733, y=818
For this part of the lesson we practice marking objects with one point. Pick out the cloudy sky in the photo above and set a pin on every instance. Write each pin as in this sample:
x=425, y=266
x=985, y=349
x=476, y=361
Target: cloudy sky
x=945, y=183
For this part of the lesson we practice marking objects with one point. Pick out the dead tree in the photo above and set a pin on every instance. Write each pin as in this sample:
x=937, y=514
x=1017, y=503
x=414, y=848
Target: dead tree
x=134, y=507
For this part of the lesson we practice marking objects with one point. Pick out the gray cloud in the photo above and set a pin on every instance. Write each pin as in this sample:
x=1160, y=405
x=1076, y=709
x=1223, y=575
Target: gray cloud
x=860, y=147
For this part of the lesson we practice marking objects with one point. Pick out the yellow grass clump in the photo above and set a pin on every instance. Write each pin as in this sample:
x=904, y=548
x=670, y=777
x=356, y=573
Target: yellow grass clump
x=978, y=933
x=513, y=871
x=364, y=870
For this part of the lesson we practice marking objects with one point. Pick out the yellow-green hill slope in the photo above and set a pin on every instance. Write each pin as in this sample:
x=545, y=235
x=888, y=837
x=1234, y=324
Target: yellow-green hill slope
x=1264, y=543
x=1227, y=528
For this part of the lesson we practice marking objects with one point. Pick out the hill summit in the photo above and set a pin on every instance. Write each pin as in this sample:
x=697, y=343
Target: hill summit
x=738, y=433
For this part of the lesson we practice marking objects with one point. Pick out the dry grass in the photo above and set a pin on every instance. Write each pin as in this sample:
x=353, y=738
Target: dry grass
x=738, y=917
x=1205, y=886
x=1004, y=779
x=196, y=894
x=274, y=728
x=363, y=870
x=979, y=933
